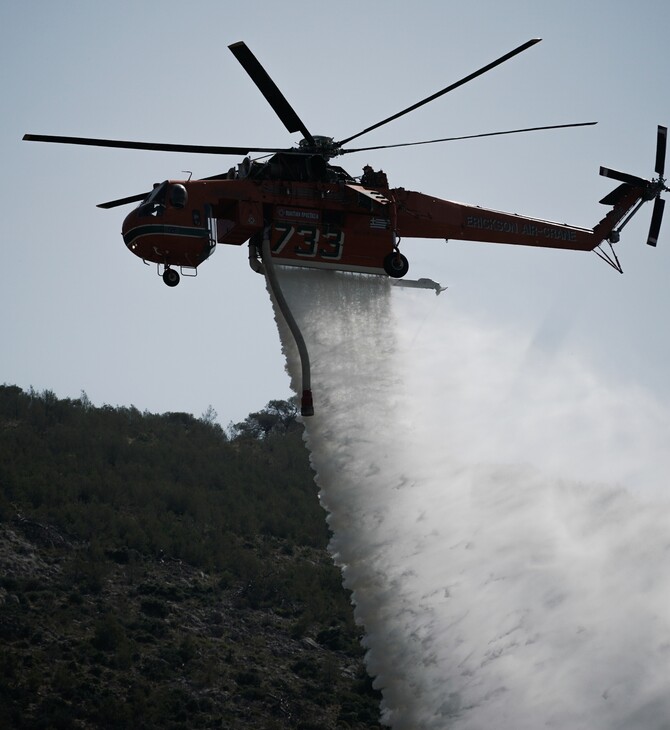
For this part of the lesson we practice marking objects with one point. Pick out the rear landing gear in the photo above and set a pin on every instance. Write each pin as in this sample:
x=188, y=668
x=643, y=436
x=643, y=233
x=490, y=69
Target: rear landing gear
x=396, y=265
x=171, y=277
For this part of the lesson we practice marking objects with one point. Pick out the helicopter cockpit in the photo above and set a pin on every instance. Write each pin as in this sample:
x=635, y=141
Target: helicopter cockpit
x=162, y=194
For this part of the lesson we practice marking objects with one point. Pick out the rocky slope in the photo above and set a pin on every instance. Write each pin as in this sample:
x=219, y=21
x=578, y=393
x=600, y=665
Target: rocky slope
x=98, y=633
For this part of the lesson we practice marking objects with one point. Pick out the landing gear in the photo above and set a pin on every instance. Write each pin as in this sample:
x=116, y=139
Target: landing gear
x=171, y=277
x=396, y=265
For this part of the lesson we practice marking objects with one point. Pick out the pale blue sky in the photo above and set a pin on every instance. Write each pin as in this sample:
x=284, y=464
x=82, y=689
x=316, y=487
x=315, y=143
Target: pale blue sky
x=77, y=311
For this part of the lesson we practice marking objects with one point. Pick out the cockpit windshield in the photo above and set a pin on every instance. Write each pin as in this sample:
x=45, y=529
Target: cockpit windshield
x=154, y=204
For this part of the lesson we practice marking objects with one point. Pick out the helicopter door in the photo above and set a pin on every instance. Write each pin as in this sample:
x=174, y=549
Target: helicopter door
x=211, y=229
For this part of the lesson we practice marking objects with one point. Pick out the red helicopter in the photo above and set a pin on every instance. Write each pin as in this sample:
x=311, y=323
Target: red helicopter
x=308, y=212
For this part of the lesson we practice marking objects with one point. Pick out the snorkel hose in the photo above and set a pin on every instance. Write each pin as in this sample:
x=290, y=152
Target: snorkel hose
x=306, y=402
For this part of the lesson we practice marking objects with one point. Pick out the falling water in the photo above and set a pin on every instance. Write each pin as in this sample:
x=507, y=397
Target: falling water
x=499, y=514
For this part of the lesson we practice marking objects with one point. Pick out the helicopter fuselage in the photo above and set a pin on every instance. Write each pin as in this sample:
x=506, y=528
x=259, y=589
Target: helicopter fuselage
x=339, y=225
x=314, y=214
x=334, y=222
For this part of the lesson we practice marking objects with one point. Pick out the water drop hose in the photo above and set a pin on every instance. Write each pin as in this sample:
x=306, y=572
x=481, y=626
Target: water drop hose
x=306, y=401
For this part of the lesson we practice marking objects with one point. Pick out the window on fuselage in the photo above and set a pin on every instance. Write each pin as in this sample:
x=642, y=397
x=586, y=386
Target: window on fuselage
x=154, y=205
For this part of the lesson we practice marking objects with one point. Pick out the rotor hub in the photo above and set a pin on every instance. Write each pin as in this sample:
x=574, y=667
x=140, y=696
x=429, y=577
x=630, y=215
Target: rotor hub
x=319, y=145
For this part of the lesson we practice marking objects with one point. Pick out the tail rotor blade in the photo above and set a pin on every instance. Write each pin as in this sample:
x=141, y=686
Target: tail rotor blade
x=661, y=143
x=656, y=218
x=622, y=176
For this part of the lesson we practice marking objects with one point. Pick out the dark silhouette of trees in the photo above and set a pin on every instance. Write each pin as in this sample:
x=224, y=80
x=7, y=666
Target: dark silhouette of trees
x=147, y=560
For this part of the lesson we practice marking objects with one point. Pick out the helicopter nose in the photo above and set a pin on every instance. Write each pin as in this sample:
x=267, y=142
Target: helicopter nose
x=127, y=230
x=138, y=236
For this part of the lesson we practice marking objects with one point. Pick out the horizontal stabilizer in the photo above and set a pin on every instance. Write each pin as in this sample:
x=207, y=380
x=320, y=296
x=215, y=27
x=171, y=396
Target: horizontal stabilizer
x=617, y=194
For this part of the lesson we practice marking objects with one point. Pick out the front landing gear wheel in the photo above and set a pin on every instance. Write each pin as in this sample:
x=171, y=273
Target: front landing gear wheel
x=171, y=277
x=396, y=265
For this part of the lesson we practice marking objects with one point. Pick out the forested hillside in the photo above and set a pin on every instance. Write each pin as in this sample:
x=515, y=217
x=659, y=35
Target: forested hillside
x=156, y=571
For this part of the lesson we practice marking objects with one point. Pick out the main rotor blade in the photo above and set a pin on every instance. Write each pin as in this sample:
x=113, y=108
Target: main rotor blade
x=122, y=201
x=449, y=88
x=623, y=177
x=141, y=196
x=269, y=89
x=155, y=146
x=656, y=218
x=661, y=143
x=469, y=136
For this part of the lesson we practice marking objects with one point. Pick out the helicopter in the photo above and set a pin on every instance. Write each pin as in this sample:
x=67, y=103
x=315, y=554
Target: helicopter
x=295, y=207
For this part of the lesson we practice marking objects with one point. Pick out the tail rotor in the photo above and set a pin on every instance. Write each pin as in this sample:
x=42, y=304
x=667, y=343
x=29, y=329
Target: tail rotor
x=652, y=189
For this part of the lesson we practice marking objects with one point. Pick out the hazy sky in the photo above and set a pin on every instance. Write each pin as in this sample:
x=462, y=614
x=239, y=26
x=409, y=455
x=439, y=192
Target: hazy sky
x=78, y=312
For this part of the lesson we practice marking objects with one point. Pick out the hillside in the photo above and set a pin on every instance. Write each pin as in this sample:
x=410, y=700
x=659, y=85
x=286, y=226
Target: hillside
x=156, y=571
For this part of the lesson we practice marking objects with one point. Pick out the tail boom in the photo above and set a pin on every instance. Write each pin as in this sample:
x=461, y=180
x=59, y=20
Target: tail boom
x=424, y=216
